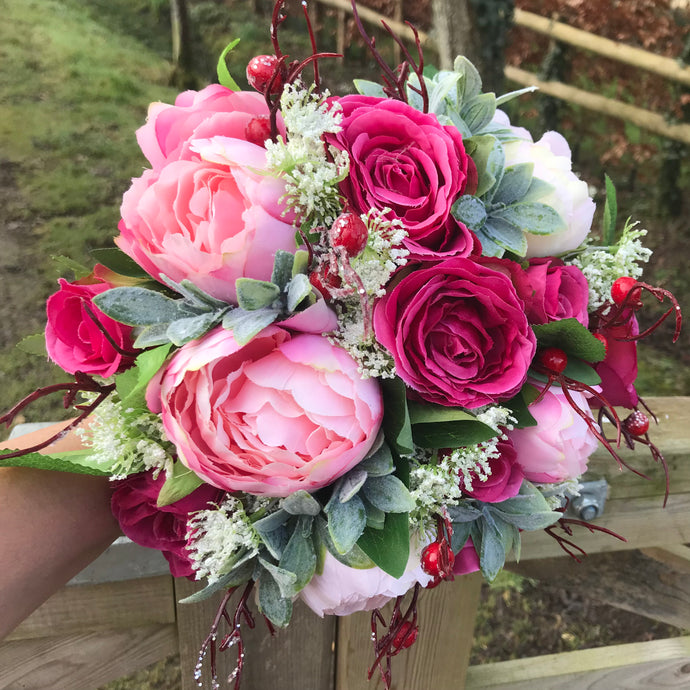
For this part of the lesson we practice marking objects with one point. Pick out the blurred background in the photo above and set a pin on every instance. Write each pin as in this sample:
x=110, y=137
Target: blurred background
x=76, y=77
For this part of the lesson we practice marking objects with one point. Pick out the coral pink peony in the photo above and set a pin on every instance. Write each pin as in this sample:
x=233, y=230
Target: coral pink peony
x=164, y=528
x=208, y=222
x=280, y=414
x=73, y=339
x=214, y=111
x=458, y=333
x=405, y=160
x=559, y=446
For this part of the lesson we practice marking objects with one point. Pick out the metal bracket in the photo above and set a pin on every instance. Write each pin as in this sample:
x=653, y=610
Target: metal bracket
x=590, y=503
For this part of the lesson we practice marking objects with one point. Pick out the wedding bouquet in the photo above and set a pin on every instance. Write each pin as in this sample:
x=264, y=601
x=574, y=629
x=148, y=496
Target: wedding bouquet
x=348, y=346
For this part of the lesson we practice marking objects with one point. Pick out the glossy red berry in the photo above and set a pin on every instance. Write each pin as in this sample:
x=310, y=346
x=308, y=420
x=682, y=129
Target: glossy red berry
x=636, y=423
x=553, y=359
x=258, y=130
x=406, y=636
x=438, y=560
x=621, y=288
x=260, y=71
x=602, y=339
x=324, y=280
x=349, y=232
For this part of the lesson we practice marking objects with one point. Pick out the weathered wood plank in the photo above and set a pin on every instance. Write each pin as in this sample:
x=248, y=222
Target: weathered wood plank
x=655, y=664
x=302, y=656
x=83, y=661
x=83, y=608
x=676, y=557
x=642, y=521
x=628, y=580
x=440, y=656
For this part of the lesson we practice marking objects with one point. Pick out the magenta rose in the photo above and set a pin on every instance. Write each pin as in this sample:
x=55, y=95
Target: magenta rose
x=560, y=292
x=618, y=371
x=279, y=414
x=208, y=222
x=466, y=560
x=213, y=111
x=134, y=506
x=404, y=160
x=505, y=478
x=458, y=333
x=75, y=341
x=560, y=445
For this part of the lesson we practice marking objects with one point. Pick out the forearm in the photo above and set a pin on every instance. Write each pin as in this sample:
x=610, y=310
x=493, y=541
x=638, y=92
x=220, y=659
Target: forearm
x=52, y=524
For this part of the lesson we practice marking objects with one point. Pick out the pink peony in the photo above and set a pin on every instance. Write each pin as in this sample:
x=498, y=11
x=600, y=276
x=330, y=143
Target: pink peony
x=210, y=223
x=340, y=590
x=560, y=292
x=505, y=478
x=280, y=414
x=458, y=333
x=213, y=111
x=405, y=160
x=618, y=371
x=559, y=446
x=134, y=506
x=73, y=339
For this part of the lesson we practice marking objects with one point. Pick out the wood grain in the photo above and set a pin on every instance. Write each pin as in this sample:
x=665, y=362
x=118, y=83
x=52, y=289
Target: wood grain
x=655, y=664
x=83, y=661
x=440, y=656
x=82, y=608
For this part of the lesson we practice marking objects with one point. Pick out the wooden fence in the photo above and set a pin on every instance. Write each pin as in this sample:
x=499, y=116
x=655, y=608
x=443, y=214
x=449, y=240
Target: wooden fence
x=88, y=634
x=667, y=68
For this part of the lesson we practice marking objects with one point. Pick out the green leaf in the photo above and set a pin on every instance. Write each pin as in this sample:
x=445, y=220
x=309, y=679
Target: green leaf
x=64, y=264
x=272, y=603
x=177, y=485
x=478, y=112
x=301, y=262
x=610, y=212
x=376, y=518
x=461, y=533
x=116, y=260
x=301, y=503
x=299, y=556
x=369, y=88
x=34, y=344
x=492, y=555
x=515, y=182
x=75, y=462
x=488, y=155
x=237, y=576
x=286, y=580
x=388, y=494
x=442, y=85
x=283, y=263
x=572, y=337
x=396, y=418
x=185, y=330
x=354, y=558
x=378, y=464
x=507, y=236
x=519, y=406
x=389, y=547
x=533, y=217
x=131, y=385
x=504, y=98
x=224, y=78
x=137, y=306
x=299, y=289
x=471, y=83
x=471, y=211
x=346, y=522
x=246, y=324
x=437, y=426
x=350, y=484
x=152, y=336
x=255, y=294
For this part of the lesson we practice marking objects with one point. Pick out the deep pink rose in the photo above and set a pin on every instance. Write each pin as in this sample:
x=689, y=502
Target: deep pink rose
x=559, y=446
x=73, y=339
x=407, y=161
x=457, y=332
x=134, y=507
x=505, y=478
x=213, y=111
x=205, y=221
x=618, y=371
x=466, y=560
x=560, y=292
x=280, y=414
x=445, y=242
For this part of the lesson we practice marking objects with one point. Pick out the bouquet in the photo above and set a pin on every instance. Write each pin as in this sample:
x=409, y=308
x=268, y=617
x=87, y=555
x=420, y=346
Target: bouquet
x=348, y=347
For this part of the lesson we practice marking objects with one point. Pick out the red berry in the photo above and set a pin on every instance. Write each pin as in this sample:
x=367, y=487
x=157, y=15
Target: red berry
x=621, y=288
x=260, y=71
x=406, y=636
x=349, y=232
x=602, y=339
x=258, y=130
x=324, y=280
x=438, y=560
x=636, y=423
x=553, y=359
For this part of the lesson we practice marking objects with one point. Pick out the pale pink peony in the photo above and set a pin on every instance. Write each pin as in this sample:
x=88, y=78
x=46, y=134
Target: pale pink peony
x=213, y=111
x=559, y=446
x=208, y=222
x=340, y=590
x=284, y=412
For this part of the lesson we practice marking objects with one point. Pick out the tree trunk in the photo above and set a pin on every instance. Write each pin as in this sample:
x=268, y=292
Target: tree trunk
x=476, y=29
x=182, y=53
